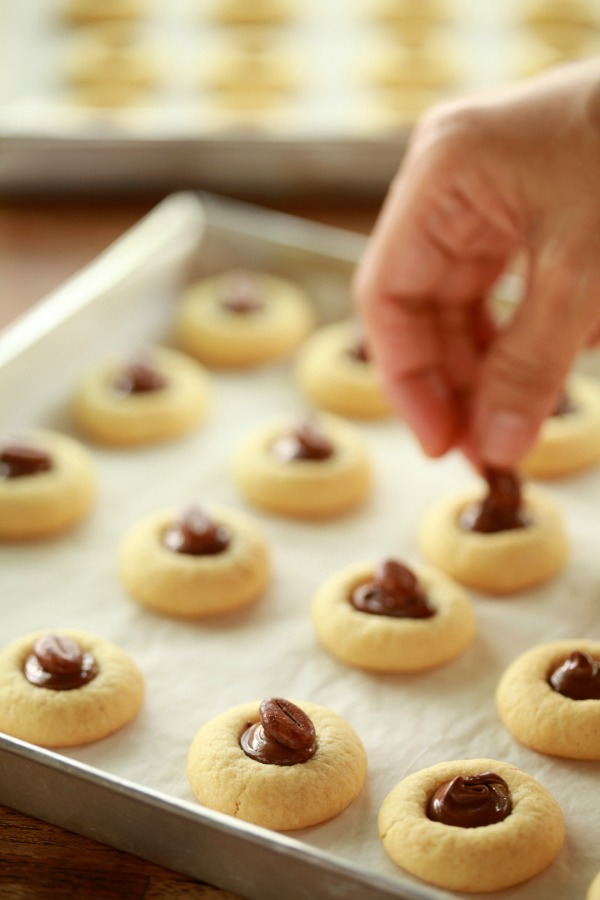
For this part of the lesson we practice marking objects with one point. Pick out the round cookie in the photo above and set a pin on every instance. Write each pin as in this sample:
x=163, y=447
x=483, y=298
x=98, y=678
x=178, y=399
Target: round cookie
x=471, y=859
x=333, y=370
x=571, y=442
x=224, y=566
x=78, y=12
x=502, y=562
x=67, y=718
x=431, y=68
x=594, y=889
x=281, y=797
x=259, y=12
x=413, y=21
x=240, y=319
x=107, y=56
x=314, y=487
x=52, y=490
x=122, y=405
x=251, y=70
x=384, y=643
x=564, y=24
x=541, y=717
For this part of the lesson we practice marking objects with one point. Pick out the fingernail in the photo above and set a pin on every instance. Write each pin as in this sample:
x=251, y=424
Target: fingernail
x=505, y=437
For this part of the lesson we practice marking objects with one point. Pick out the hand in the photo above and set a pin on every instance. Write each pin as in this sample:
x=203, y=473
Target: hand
x=484, y=178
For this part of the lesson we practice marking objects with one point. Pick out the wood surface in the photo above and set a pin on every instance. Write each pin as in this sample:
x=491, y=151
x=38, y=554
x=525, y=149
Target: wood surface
x=44, y=240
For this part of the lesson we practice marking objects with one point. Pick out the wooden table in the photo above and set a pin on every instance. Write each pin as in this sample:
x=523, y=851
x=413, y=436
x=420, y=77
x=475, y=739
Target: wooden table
x=42, y=242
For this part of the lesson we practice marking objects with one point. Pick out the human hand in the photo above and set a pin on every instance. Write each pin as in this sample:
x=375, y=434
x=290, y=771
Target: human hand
x=483, y=178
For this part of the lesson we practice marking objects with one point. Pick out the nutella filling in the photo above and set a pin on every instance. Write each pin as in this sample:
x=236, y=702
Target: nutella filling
x=139, y=377
x=578, y=677
x=501, y=510
x=240, y=294
x=18, y=460
x=59, y=663
x=564, y=407
x=307, y=441
x=284, y=736
x=395, y=592
x=471, y=801
x=196, y=534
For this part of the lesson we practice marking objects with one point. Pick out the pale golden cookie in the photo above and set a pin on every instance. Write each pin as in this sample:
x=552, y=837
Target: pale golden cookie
x=384, y=643
x=111, y=417
x=243, y=70
x=66, y=718
x=81, y=11
x=594, y=889
x=430, y=68
x=47, y=503
x=540, y=717
x=331, y=375
x=259, y=12
x=413, y=21
x=486, y=858
x=283, y=798
x=499, y=563
x=569, y=443
x=564, y=24
x=304, y=488
x=107, y=56
x=194, y=586
x=223, y=338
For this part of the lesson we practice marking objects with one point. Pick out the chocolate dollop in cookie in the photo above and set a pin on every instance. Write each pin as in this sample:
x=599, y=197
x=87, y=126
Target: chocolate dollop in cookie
x=395, y=591
x=306, y=442
x=501, y=510
x=18, y=460
x=59, y=663
x=471, y=801
x=284, y=736
x=196, y=534
x=578, y=677
x=139, y=377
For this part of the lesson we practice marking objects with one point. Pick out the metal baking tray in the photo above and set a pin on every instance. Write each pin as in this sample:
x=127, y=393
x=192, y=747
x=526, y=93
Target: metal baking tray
x=345, y=126
x=130, y=790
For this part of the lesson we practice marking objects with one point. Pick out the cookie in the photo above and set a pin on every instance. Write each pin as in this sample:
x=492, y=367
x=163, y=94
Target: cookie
x=334, y=371
x=243, y=69
x=431, y=68
x=413, y=21
x=496, y=557
x=560, y=720
x=443, y=824
x=386, y=618
x=306, y=764
x=47, y=484
x=79, y=12
x=156, y=397
x=193, y=564
x=240, y=319
x=108, y=56
x=594, y=889
x=569, y=440
x=259, y=12
x=566, y=25
x=66, y=688
x=310, y=469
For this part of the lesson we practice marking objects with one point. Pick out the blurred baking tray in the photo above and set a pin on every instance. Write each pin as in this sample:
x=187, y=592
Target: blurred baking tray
x=130, y=790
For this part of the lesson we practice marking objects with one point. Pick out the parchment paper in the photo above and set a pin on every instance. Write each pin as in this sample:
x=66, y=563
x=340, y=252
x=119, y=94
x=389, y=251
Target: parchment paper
x=194, y=671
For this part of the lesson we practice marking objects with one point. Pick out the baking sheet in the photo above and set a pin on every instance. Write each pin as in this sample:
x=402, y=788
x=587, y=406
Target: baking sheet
x=340, y=128
x=194, y=671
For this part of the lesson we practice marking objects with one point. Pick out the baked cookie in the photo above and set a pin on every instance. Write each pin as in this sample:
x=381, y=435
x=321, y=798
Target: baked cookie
x=499, y=544
x=564, y=24
x=47, y=484
x=108, y=56
x=277, y=764
x=66, y=688
x=157, y=396
x=569, y=440
x=471, y=825
x=413, y=21
x=243, y=69
x=79, y=12
x=549, y=698
x=240, y=319
x=594, y=889
x=259, y=12
x=192, y=564
x=312, y=469
x=430, y=68
x=335, y=373
x=386, y=618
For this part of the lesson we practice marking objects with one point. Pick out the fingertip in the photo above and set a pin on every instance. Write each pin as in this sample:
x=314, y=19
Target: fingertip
x=426, y=403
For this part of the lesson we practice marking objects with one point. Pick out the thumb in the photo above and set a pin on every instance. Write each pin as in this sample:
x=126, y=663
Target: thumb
x=523, y=373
